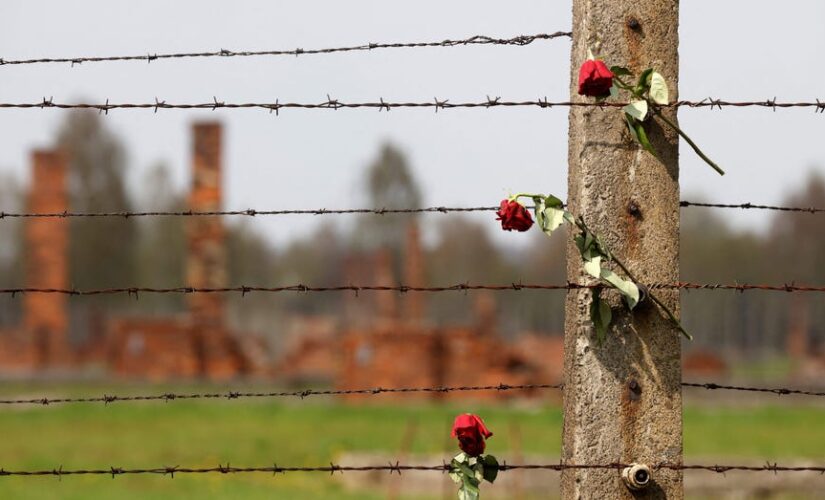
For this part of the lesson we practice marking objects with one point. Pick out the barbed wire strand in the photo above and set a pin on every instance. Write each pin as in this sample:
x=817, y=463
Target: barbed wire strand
x=393, y=467
x=520, y=40
x=752, y=206
x=372, y=391
x=780, y=391
x=301, y=394
x=382, y=105
x=249, y=212
x=461, y=287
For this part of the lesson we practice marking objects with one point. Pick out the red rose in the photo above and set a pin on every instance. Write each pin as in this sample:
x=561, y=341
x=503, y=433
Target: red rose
x=471, y=433
x=595, y=79
x=513, y=215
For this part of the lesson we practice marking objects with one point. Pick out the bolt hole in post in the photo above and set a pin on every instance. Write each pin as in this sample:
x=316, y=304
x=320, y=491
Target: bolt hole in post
x=635, y=390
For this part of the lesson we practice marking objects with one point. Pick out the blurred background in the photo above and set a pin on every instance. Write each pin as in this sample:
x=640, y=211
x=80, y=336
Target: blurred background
x=53, y=160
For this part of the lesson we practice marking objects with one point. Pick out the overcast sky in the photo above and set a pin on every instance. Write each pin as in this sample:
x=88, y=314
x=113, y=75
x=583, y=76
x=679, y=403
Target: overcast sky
x=736, y=49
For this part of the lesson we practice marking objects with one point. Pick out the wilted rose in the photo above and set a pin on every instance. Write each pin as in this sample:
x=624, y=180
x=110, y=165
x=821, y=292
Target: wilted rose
x=595, y=79
x=513, y=215
x=471, y=433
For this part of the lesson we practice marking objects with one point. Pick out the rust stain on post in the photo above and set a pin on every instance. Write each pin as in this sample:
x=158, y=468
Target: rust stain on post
x=622, y=399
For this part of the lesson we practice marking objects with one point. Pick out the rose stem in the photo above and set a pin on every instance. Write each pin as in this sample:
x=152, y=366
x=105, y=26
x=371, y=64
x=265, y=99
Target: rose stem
x=690, y=142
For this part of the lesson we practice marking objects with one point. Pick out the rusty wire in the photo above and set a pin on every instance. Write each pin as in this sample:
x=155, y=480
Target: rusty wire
x=250, y=212
x=394, y=467
x=460, y=287
x=780, y=391
x=371, y=391
x=301, y=394
x=382, y=105
x=519, y=40
x=752, y=206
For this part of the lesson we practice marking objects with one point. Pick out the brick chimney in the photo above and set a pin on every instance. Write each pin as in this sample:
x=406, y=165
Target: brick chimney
x=413, y=275
x=386, y=303
x=45, y=320
x=206, y=250
x=206, y=264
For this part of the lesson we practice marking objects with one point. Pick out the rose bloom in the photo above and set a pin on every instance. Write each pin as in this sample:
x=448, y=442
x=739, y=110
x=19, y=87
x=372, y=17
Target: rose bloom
x=471, y=433
x=513, y=215
x=595, y=79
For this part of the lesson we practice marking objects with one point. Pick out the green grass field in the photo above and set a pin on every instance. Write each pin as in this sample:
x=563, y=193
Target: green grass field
x=315, y=432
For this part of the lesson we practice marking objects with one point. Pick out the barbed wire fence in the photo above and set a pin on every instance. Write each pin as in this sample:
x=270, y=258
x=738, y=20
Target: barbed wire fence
x=370, y=391
x=392, y=468
x=458, y=287
x=520, y=41
x=380, y=105
x=251, y=212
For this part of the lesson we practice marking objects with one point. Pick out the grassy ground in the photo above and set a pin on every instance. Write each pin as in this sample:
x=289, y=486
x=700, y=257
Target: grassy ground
x=315, y=432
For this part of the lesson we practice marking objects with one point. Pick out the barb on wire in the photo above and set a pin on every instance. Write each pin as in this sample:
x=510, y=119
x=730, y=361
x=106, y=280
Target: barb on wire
x=461, y=287
x=519, y=40
x=250, y=212
x=392, y=467
x=301, y=394
x=381, y=104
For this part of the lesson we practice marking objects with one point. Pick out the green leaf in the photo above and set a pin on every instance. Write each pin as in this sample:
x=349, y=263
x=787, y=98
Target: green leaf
x=490, y=468
x=470, y=485
x=593, y=266
x=551, y=219
x=620, y=71
x=478, y=469
x=614, y=91
x=465, y=494
x=465, y=469
x=460, y=458
x=643, y=140
x=631, y=125
x=637, y=131
x=588, y=240
x=625, y=287
x=538, y=210
x=643, y=85
x=600, y=315
x=579, y=241
x=455, y=476
x=584, y=242
x=658, y=88
x=637, y=109
x=601, y=249
x=552, y=201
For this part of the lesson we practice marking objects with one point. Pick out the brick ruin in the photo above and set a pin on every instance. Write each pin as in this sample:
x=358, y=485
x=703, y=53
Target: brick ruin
x=41, y=341
x=382, y=339
x=197, y=343
x=386, y=339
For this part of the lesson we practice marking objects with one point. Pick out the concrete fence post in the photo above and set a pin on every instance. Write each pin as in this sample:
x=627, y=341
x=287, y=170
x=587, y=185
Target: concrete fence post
x=622, y=399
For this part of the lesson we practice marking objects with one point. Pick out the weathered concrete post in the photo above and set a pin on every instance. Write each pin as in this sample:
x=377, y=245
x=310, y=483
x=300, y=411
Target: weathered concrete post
x=622, y=399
